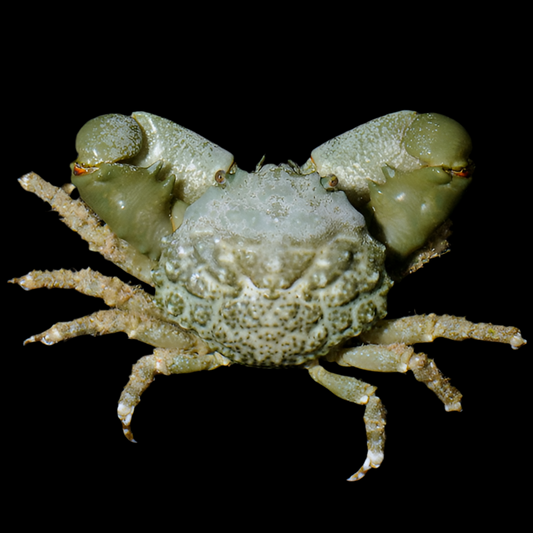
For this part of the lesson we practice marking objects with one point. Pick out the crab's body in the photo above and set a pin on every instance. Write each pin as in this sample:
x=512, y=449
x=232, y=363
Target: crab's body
x=272, y=268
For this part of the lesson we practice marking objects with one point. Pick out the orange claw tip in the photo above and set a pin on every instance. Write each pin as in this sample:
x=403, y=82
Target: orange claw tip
x=463, y=173
x=79, y=170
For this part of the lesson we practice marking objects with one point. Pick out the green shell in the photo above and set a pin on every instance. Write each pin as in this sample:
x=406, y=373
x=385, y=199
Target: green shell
x=132, y=200
x=437, y=140
x=408, y=170
x=140, y=173
x=107, y=139
x=409, y=206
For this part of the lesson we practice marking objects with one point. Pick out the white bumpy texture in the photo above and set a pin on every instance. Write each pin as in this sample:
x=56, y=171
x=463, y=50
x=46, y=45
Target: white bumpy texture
x=272, y=269
x=358, y=156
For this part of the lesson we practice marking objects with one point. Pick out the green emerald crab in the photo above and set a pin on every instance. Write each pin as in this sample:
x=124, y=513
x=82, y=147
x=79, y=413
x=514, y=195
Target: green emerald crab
x=284, y=266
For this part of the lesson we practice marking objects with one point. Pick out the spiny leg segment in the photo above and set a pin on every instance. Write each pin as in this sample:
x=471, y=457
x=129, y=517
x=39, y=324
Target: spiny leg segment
x=426, y=328
x=134, y=313
x=81, y=219
x=390, y=352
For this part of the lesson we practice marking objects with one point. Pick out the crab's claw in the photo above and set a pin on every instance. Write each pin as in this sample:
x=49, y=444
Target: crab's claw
x=407, y=170
x=138, y=174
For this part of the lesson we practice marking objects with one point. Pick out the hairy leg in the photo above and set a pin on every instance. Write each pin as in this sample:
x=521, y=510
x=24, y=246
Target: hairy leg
x=113, y=291
x=135, y=312
x=81, y=219
x=426, y=328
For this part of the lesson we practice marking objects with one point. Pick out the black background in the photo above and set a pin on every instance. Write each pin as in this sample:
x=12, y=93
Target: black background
x=237, y=431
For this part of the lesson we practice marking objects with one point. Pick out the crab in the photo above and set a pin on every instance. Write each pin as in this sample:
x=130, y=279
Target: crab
x=285, y=266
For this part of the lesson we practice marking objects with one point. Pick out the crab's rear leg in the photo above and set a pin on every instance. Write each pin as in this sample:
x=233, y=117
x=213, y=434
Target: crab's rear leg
x=362, y=393
x=391, y=352
x=162, y=361
x=391, y=358
x=401, y=358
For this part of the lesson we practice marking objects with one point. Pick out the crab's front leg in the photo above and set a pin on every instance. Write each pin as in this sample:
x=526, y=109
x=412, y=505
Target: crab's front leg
x=79, y=218
x=354, y=390
x=133, y=313
x=162, y=361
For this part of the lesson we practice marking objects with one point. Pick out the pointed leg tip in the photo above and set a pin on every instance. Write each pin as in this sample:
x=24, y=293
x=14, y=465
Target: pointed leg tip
x=25, y=282
x=29, y=340
x=125, y=414
x=357, y=476
x=24, y=179
x=48, y=338
x=367, y=465
x=517, y=341
x=128, y=434
x=454, y=407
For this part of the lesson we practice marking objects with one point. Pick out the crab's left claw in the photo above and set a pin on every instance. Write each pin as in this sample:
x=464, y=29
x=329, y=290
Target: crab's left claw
x=139, y=173
x=408, y=170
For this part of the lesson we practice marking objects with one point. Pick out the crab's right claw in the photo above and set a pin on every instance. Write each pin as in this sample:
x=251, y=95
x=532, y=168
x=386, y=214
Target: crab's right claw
x=408, y=170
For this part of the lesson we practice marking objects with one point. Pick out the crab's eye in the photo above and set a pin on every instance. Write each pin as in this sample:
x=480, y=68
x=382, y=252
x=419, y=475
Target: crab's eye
x=220, y=177
x=108, y=139
x=329, y=183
